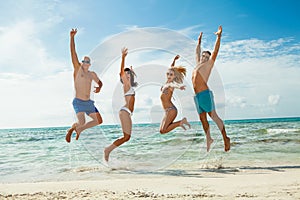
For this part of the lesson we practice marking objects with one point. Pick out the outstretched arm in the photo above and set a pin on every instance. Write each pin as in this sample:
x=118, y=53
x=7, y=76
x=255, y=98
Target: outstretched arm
x=75, y=61
x=217, y=44
x=176, y=58
x=198, y=48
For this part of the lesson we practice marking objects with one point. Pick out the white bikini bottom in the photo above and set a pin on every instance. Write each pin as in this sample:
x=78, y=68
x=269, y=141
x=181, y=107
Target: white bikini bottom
x=126, y=109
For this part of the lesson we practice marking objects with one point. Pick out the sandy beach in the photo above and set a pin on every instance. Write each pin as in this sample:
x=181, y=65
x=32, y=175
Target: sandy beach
x=277, y=182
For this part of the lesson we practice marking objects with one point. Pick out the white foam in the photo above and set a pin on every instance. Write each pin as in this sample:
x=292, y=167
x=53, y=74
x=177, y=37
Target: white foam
x=281, y=130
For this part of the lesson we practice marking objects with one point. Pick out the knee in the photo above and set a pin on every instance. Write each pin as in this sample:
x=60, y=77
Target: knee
x=126, y=137
x=214, y=117
x=100, y=121
x=162, y=131
x=81, y=123
x=203, y=118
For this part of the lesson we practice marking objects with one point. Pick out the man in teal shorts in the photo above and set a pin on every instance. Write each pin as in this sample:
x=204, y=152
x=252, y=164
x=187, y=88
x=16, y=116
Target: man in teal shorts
x=204, y=99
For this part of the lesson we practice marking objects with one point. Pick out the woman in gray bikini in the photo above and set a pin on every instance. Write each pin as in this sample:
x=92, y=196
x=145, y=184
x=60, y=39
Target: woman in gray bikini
x=127, y=79
x=175, y=75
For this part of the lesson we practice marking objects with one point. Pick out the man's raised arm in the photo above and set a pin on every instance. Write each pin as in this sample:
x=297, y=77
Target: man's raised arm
x=217, y=44
x=198, y=48
x=75, y=61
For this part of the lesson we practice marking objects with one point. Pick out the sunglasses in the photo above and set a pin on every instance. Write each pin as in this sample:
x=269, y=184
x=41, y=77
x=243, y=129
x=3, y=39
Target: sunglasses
x=86, y=61
x=204, y=56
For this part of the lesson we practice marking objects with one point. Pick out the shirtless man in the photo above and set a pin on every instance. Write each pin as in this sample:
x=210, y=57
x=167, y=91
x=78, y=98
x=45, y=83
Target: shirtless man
x=82, y=103
x=204, y=98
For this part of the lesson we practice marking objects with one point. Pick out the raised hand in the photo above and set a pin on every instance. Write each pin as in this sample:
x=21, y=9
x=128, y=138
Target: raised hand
x=73, y=32
x=200, y=36
x=124, y=52
x=131, y=69
x=177, y=57
x=219, y=32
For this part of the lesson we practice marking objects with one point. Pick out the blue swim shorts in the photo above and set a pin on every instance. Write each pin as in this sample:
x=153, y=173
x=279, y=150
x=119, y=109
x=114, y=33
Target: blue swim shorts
x=204, y=101
x=84, y=106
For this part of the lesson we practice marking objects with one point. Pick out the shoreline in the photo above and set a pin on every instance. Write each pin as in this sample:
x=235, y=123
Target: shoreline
x=231, y=120
x=274, y=182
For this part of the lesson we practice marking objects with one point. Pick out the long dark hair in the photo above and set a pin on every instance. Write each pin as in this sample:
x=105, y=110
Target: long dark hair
x=132, y=75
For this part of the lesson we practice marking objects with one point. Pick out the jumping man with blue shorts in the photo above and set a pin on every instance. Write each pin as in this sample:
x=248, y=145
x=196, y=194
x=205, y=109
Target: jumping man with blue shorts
x=82, y=103
x=204, y=99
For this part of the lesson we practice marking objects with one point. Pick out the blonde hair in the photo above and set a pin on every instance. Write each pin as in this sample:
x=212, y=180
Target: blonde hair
x=179, y=72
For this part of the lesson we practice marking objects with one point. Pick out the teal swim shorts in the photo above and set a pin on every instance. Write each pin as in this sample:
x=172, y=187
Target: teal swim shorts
x=204, y=101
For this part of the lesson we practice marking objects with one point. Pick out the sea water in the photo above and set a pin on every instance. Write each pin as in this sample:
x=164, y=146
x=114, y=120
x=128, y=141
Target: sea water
x=42, y=154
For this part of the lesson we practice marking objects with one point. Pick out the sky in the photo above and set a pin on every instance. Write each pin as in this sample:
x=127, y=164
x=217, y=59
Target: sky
x=256, y=74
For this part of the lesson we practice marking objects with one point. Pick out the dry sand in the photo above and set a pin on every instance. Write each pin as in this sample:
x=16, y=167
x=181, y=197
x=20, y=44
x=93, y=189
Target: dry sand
x=228, y=183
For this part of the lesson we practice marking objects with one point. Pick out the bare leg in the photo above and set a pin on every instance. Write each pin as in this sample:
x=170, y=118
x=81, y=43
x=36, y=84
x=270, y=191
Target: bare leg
x=167, y=123
x=81, y=120
x=205, y=126
x=97, y=119
x=115, y=144
x=126, y=124
x=221, y=127
x=107, y=151
x=69, y=133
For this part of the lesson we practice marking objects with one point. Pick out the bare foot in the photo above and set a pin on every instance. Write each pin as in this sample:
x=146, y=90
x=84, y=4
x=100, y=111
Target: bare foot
x=69, y=134
x=208, y=143
x=227, y=144
x=181, y=125
x=184, y=121
x=106, y=154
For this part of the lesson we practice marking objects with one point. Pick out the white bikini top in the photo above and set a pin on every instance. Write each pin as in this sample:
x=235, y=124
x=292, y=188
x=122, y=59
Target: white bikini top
x=172, y=84
x=130, y=92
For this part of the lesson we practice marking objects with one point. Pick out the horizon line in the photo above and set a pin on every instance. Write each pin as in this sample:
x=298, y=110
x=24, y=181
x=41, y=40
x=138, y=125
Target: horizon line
x=144, y=123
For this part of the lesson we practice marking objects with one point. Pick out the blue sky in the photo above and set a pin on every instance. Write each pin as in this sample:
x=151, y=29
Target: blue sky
x=257, y=66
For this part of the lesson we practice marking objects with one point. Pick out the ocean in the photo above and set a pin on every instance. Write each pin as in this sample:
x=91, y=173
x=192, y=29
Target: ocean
x=42, y=154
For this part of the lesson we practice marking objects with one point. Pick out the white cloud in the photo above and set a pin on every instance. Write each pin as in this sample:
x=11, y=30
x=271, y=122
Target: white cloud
x=253, y=69
x=273, y=99
x=128, y=27
x=37, y=89
x=191, y=30
x=24, y=53
x=30, y=102
x=236, y=101
x=256, y=49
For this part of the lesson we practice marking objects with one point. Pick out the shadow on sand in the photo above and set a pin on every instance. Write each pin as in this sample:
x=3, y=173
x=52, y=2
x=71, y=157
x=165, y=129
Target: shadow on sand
x=202, y=172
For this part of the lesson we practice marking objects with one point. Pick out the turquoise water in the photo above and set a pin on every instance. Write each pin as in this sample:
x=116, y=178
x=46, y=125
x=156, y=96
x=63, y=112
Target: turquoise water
x=41, y=154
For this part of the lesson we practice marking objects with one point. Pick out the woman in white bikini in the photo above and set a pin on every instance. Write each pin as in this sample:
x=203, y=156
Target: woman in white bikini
x=175, y=75
x=127, y=79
